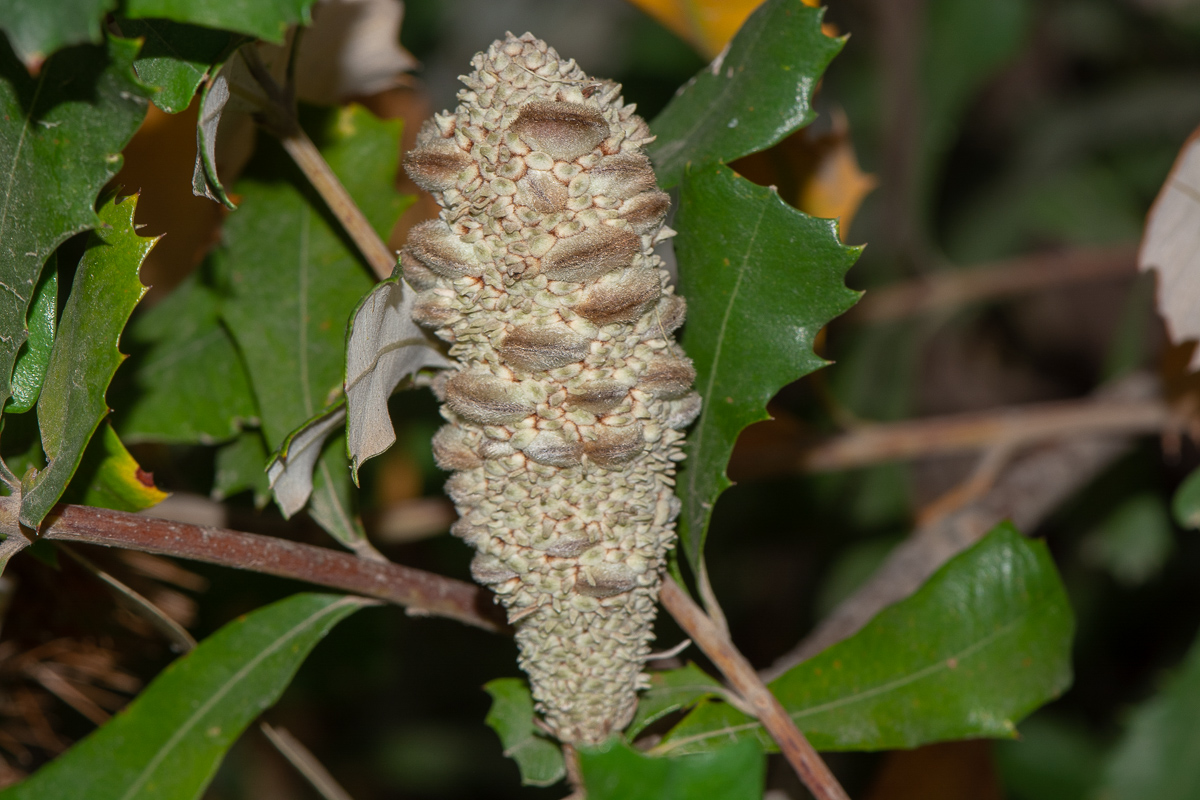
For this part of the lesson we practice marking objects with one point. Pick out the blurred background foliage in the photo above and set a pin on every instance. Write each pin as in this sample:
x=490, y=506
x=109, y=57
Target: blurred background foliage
x=956, y=137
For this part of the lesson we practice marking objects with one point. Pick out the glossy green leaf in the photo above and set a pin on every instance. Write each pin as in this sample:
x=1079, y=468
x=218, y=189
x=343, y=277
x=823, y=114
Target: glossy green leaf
x=672, y=690
x=167, y=744
x=615, y=771
x=109, y=477
x=1157, y=755
x=36, y=28
x=85, y=355
x=1185, y=506
x=190, y=381
x=42, y=321
x=261, y=19
x=291, y=279
x=61, y=135
x=241, y=465
x=761, y=279
x=511, y=717
x=985, y=641
x=176, y=58
x=751, y=96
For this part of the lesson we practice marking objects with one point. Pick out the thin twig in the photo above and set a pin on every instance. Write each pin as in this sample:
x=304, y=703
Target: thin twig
x=949, y=289
x=745, y=681
x=170, y=629
x=1026, y=491
x=341, y=204
x=420, y=591
x=279, y=117
x=305, y=762
x=958, y=433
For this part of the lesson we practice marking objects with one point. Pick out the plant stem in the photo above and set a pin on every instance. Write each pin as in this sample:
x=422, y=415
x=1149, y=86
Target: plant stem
x=421, y=592
x=341, y=204
x=950, y=289
x=745, y=681
x=1012, y=426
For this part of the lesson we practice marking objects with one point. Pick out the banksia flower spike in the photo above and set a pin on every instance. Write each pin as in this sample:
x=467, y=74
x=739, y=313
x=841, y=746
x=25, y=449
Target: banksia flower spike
x=566, y=410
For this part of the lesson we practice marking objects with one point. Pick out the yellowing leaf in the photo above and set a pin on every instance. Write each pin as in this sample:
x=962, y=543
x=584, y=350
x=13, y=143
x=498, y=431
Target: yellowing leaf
x=109, y=477
x=707, y=25
x=836, y=187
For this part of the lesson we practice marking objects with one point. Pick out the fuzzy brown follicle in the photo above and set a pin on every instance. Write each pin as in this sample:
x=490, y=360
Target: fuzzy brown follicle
x=566, y=410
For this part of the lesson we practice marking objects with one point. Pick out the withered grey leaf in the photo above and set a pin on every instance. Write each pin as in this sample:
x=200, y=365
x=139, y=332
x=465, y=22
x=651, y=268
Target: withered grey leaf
x=384, y=346
x=291, y=470
x=1171, y=244
x=352, y=50
x=226, y=103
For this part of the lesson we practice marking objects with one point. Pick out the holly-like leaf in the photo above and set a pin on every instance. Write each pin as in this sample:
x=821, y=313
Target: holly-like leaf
x=85, y=354
x=985, y=641
x=384, y=347
x=615, y=771
x=262, y=19
x=191, y=383
x=761, y=279
x=61, y=135
x=109, y=477
x=30, y=369
x=672, y=690
x=511, y=717
x=241, y=465
x=751, y=96
x=292, y=279
x=707, y=25
x=1156, y=758
x=176, y=58
x=169, y=742
x=36, y=29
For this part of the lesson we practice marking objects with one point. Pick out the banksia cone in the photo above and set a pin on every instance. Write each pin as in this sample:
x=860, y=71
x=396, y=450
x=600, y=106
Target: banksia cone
x=566, y=409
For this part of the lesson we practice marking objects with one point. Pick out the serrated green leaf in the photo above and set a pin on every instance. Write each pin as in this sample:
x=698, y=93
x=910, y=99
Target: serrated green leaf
x=30, y=369
x=167, y=744
x=985, y=641
x=109, y=477
x=176, y=58
x=241, y=465
x=191, y=383
x=262, y=19
x=672, y=690
x=751, y=96
x=36, y=29
x=761, y=279
x=615, y=771
x=86, y=355
x=1157, y=755
x=61, y=135
x=511, y=717
x=291, y=278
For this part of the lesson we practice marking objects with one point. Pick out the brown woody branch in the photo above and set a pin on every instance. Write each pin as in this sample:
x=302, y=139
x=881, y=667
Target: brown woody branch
x=1012, y=426
x=745, y=681
x=952, y=289
x=421, y=592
